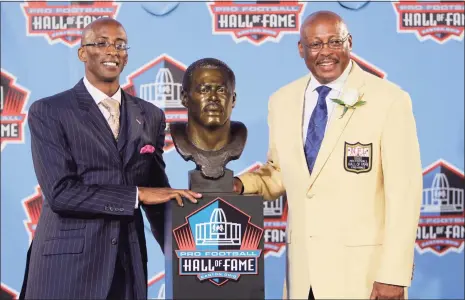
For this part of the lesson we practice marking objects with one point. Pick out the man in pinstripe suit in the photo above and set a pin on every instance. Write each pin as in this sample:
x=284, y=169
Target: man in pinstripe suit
x=97, y=154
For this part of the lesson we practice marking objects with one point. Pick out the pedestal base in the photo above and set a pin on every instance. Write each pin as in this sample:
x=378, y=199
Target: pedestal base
x=214, y=249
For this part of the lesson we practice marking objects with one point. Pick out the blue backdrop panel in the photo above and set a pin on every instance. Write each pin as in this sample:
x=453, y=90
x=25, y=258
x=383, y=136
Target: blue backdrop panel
x=418, y=46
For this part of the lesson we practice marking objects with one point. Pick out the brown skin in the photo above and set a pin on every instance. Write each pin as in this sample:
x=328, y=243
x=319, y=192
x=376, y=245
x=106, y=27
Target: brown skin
x=237, y=188
x=386, y=291
x=321, y=27
x=106, y=79
x=162, y=195
x=209, y=101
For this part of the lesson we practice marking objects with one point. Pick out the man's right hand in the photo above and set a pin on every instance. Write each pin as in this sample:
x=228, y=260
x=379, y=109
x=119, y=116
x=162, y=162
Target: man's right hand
x=238, y=186
x=152, y=196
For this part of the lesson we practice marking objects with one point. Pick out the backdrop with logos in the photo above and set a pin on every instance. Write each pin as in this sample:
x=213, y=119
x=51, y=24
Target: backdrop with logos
x=418, y=46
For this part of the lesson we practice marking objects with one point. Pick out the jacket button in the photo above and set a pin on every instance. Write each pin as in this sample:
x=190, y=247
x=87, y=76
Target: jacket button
x=114, y=241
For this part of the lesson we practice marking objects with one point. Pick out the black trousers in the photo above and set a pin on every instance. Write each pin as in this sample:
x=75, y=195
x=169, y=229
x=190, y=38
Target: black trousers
x=310, y=295
x=122, y=285
x=22, y=294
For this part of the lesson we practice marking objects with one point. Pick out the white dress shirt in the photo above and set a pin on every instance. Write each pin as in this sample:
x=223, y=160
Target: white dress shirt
x=311, y=98
x=98, y=97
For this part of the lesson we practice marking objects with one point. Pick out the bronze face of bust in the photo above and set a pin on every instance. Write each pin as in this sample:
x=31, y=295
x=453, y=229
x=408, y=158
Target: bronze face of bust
x=209, y=137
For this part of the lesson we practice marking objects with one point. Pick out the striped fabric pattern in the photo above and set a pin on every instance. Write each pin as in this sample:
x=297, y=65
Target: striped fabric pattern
x=89, y=184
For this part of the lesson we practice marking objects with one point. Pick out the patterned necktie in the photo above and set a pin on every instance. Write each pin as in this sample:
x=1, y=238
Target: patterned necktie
x=316, y=127
x=113, y=108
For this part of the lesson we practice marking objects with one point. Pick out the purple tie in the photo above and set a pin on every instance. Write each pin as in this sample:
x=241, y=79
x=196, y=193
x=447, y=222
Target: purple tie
x=316, y=127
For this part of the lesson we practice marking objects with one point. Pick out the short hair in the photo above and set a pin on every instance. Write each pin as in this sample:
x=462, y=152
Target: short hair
x=208, y=63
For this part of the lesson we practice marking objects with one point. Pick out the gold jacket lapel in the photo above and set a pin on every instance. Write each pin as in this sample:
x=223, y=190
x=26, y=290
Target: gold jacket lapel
x=296, y=119
x=337, y=124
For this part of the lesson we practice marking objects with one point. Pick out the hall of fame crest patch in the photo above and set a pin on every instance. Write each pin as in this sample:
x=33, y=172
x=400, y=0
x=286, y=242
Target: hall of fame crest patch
x=358, y=157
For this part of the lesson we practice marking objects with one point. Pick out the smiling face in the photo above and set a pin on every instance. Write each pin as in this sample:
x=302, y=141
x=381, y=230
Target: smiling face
x=210, y=98
x=104, y=64
x=329, y=62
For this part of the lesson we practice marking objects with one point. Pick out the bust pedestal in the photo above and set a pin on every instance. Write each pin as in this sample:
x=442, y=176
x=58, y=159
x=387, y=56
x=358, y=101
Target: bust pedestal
x=214, y=249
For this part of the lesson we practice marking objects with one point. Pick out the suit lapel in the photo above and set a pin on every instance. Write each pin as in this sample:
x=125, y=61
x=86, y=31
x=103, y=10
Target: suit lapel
x=337, y=125
x=124, y=119
x=135, y=123
x=94, y=119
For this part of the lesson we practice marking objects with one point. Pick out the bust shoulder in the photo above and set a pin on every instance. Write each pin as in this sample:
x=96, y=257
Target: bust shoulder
x=210, y=163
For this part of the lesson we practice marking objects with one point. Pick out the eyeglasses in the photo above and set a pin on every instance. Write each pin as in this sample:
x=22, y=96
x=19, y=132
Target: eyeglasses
x=332, y=43
x=119, y=46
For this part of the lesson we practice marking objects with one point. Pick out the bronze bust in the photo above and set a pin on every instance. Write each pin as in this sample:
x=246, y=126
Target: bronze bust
x=209, y=138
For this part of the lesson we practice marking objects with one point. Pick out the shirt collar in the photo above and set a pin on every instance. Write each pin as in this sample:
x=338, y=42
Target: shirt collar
x=335, y=85
x=98, y=95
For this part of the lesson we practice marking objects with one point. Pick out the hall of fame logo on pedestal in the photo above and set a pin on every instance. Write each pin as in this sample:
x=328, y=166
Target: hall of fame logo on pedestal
x=59, y=22
x=160, y=83
x=441, y=228
x=218, y=242
x=275, y=221
x=13, y=99
x=256, y=21
x=439, y=21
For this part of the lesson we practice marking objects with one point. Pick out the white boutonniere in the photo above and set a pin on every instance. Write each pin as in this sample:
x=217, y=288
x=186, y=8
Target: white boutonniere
x=351, y=99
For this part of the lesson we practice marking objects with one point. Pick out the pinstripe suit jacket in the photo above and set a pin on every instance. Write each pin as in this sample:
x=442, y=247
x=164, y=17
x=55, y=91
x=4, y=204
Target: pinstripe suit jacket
x=89, y=183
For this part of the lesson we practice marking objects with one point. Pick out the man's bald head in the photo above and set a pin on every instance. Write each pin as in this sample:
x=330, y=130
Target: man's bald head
x=89, y=31
x=104, y=52
x=325, y=45
x=323, y=17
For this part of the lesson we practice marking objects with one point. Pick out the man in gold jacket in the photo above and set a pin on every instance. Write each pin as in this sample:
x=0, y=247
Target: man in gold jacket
x=353, y=177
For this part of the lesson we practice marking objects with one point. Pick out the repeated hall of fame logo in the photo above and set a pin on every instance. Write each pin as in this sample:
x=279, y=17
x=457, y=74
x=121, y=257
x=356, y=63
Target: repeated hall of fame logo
x=441, y=228
x=32, y=206
x=218, y=243
x=60, y=22
x=256, y=21
x=275, y=223
x=440, y=21
x=160, y=83
x=13, y=99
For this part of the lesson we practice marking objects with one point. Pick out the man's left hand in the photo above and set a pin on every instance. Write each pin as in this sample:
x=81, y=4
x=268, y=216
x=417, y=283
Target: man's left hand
x=386, y=291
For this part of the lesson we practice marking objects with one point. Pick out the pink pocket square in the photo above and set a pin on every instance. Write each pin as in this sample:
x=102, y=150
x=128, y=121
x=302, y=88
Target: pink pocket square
x=147, y=149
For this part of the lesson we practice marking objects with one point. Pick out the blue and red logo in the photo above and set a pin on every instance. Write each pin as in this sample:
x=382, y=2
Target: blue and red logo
x=439, y=21
x=160, y=82
x=7, y=292
x=441, y=228
x=32, y=207
x=62, y=22
x=256, y=21
x=218, y=243
x=13, y=99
